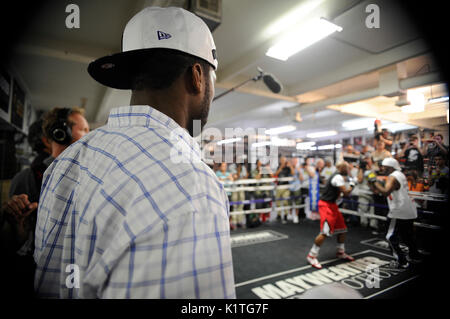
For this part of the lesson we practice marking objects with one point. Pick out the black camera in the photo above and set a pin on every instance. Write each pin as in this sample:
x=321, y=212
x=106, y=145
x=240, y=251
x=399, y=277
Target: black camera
x=377, y=136
x=362, y=163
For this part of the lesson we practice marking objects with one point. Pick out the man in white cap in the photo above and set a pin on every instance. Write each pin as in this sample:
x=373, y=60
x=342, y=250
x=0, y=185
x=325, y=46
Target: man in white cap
x=130, y=210
x=402, y=212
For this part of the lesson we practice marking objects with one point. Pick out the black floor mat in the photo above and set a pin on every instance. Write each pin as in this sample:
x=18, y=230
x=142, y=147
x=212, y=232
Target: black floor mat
x=270, y=269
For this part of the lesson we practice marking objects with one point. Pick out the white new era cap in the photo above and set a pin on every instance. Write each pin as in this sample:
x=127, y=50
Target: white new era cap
x=391, y=162
x=155, y=27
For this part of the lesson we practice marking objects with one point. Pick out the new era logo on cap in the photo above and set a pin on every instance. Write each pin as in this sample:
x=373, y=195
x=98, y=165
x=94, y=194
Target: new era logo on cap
x=163, y=35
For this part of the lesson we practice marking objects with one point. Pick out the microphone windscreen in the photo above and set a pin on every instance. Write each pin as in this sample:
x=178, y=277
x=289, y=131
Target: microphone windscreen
x=272, y=83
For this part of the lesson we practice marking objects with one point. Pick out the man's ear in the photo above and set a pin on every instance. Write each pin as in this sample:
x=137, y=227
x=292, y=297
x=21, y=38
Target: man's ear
x=197, y=78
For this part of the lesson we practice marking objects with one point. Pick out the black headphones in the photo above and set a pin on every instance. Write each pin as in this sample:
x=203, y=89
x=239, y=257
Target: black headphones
x=60, y=131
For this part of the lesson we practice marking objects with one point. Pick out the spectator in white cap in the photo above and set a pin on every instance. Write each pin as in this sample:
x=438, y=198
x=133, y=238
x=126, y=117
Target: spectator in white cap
x=131, y=209
x=402, y=212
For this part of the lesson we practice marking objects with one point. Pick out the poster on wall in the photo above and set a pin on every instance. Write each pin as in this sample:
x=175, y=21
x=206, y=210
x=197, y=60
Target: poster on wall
x=357, y=140
x=5, y=84
x=17, y=106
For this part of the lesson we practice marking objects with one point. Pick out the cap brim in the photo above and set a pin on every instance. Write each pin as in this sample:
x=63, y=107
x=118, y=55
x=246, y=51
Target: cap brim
x=116, y=70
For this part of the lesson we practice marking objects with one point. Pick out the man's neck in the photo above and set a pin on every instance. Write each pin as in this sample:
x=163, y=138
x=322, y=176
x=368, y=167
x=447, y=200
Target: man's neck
x=166, y=102
x=57, y=149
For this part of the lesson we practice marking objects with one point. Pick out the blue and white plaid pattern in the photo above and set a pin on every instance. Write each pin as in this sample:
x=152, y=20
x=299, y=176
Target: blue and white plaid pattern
x=135, y=223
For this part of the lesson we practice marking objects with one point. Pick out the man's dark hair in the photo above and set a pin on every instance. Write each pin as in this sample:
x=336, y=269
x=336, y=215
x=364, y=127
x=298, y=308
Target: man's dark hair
x=161, y=67
x=35, y=134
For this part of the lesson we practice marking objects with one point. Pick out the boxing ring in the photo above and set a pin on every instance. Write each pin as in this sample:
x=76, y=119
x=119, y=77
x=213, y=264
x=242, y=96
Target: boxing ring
x=271, y=185
x=270, y=260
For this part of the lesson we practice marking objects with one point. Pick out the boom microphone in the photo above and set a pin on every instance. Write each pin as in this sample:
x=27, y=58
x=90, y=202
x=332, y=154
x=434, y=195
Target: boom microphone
x=269, y=80
x=273, y=84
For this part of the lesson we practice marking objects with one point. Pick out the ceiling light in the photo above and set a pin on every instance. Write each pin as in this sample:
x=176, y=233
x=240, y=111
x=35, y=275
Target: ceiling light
x=358, y=124
x=280, y=130
x=301, y=37
x=291, y=18
x=329, y=146
x=438, y=99
x=282, y=142
x=394, y=127
x=261, y=144
x=231, y=140
x=417, y=102
x=305, y=145
x=321, y=134
x=326, y=147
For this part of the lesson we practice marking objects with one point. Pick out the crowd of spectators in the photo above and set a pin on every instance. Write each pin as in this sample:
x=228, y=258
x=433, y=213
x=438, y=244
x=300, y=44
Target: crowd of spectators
x=423, y=160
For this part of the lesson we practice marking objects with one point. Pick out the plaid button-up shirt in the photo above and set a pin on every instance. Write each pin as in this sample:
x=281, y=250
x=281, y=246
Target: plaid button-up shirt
x=131, y=211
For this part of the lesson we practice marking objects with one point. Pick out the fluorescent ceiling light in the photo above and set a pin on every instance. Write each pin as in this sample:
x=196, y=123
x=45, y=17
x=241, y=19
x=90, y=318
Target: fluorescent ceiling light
x=438, y=99
x=292, y=18
x=231, y=140
x=305, y=145
x=301, y=37
x=261, y=144
x=326, y=147
x=282, y=141
x=280, y=130
x=329, y=146
x=417, y=102
x=394, y=127
x=358, y=124
x=321, y=134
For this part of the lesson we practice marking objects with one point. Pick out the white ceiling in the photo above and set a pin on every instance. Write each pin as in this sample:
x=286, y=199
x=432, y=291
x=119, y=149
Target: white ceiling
x=52, y=60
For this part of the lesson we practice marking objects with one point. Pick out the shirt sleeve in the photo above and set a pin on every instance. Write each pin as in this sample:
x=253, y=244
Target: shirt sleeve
x=338, y=181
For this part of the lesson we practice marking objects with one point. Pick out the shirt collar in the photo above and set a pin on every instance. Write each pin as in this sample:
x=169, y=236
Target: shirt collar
x=147, y=116
x=140, y=115
x=48, y=161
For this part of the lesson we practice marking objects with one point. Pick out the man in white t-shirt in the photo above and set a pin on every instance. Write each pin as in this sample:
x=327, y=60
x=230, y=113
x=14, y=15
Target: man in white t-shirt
x=402, y=212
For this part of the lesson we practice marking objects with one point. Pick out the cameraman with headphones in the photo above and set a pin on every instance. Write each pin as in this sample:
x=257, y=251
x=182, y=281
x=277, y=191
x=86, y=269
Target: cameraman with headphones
x=59, y=128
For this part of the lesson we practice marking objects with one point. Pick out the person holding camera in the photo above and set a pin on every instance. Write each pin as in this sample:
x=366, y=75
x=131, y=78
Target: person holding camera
x=379, y=154
x=402, y=213
x=412, y=155
x=386, y=137
x=383, y=135
x=434, y=147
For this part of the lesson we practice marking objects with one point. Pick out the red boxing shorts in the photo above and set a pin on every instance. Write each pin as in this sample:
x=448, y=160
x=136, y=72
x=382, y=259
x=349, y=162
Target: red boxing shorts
x=331, y=219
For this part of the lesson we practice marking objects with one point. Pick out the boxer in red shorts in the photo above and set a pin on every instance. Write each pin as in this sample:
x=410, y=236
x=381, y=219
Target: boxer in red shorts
x=331, y=219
